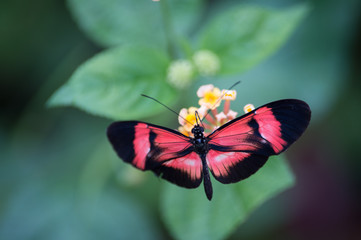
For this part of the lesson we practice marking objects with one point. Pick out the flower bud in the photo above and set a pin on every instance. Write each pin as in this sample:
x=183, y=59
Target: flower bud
x=206, y=62
x=180, y=73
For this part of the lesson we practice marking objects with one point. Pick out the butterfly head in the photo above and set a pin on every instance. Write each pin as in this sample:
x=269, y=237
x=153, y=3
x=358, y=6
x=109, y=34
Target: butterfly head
x=197, y=131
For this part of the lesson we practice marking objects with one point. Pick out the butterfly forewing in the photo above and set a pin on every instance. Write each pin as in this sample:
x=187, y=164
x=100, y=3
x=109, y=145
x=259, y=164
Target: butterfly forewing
x=166, y=152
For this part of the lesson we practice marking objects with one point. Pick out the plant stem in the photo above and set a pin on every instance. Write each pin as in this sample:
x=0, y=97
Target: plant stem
x=168, y=28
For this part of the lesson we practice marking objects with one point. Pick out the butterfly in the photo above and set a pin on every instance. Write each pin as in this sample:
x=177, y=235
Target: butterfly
x=233, y=152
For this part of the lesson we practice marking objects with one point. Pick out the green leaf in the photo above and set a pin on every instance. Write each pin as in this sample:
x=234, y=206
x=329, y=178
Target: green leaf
x=111, y=83
x=189, y=215
x=271, y=180
x=245, y=35
x=111, y=22
x=46, y=214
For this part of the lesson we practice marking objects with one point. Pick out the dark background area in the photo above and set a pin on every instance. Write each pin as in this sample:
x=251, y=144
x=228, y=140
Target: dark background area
x=40, y=148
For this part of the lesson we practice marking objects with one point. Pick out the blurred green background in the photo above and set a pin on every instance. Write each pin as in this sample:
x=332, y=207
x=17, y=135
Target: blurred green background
x=50, y=170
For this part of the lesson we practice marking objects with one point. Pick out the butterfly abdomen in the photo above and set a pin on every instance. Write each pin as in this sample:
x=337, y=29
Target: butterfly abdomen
x=206, y=178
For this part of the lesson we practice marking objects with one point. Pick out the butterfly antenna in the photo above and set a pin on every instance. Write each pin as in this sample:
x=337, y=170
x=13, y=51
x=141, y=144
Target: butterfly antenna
x=198, y=117
x=166, y=107
x=220, y=98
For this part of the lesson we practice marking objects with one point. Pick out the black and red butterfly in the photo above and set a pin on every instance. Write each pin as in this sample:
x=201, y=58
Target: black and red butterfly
x=233, y=152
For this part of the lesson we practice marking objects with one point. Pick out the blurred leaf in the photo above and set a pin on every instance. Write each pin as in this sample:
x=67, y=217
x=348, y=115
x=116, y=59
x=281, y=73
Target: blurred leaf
x=245, y=35
x=111, y=22
x=110, y=84
x=189, y=215
x=311, y=66
x=98, y=170
x=33, y=213
x=271, y=180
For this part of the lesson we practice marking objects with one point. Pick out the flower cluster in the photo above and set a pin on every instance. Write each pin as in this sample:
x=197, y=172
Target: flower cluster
x=181, y=72
x=210, y=99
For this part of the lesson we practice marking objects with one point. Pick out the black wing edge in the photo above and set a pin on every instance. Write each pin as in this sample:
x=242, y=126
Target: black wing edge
x=177, y=177
x=121, y=135
x=294, y=116
x=243, y=169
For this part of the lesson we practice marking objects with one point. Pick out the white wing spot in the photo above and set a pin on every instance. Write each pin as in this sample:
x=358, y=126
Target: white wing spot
x=223, y=156
x=189, y=162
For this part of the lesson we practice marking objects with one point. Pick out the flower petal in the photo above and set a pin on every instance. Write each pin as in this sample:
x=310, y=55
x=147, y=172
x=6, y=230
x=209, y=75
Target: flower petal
x=231, y=115
x=203, y=89
x=182, y=115
x=221, y=116
x=202, y=111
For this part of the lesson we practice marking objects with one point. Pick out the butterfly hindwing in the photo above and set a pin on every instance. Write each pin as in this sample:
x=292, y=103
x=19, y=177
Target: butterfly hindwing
x=184, y=171
x=232, y=167
x=240, y=147
x=164, y=151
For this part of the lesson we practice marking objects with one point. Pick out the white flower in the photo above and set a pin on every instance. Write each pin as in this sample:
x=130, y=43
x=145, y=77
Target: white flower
x=248, y=108
x=229, y=94
x=210, y=96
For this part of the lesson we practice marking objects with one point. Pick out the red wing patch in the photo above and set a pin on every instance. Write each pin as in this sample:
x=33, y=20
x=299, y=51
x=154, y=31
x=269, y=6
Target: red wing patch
x=184, y=171
x=141, y=145
x=270, y=128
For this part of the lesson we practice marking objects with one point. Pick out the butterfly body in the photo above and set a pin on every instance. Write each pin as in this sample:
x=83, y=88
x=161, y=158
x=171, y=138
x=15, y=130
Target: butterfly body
x=199, y=141
x=200, y=145
x=233, y=152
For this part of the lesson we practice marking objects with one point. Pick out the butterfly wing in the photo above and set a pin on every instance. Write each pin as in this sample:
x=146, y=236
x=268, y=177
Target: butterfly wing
x=166, y=152
x=240, y=147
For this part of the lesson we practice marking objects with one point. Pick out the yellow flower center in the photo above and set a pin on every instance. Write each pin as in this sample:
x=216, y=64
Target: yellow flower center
x=191, y=118
x=210, y=97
